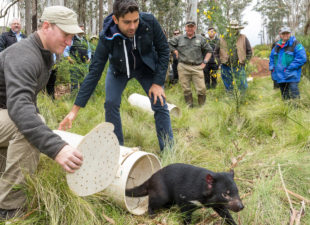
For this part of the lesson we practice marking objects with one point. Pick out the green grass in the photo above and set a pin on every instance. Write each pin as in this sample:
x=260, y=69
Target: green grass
x=266, y=130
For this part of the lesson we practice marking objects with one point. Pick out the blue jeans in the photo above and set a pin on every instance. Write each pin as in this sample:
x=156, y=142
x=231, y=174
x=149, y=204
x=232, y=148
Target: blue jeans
x=229, y=74
x=289, y=90
x=114, y=88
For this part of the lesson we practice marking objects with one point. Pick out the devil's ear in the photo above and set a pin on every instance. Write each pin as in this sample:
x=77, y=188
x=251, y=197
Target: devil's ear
x=232, y=172
x=209, y=179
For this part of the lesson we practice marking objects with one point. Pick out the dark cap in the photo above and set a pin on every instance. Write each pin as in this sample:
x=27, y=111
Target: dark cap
x=211, y=28
x=190, y=22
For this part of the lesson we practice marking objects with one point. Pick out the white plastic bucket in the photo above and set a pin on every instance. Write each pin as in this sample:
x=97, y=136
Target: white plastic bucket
x=135, y=167
x=143, y=102
x=110, y=167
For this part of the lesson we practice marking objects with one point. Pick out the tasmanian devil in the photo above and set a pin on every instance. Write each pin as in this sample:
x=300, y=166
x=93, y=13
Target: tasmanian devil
x=189, y=186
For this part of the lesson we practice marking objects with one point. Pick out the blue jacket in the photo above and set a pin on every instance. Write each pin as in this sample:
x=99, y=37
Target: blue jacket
x=285, y=63
x=151, y=43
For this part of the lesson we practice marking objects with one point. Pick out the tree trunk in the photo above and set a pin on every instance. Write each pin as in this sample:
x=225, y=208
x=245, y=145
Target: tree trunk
x=81, y=10
x=34, y=15
x=110, y=6
x=28, y=8
x=100, y=24
x=192, y=12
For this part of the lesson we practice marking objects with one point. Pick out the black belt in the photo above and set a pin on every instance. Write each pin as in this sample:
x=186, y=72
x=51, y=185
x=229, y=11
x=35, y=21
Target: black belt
x=191, y=64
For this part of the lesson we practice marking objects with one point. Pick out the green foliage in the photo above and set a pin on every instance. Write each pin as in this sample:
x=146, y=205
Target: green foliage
x=262, y=51
x=305, y=41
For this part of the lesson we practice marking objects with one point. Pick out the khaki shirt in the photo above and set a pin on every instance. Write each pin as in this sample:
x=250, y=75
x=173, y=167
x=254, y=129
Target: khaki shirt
x=191, y=51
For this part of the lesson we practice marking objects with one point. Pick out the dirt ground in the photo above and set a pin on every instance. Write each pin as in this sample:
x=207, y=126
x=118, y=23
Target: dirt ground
x=262, y=67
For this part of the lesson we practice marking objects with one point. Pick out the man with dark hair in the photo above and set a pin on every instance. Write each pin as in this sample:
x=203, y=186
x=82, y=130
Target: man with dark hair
x=136, y=47
x=23, y=133
x=12, y=36
x=212, y=66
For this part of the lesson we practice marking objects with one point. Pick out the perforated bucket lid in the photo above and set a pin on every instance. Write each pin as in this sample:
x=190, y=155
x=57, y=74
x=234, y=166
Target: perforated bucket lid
x=101, y=151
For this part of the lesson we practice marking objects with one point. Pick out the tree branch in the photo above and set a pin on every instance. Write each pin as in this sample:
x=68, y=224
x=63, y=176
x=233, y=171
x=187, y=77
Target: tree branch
x=3, y=13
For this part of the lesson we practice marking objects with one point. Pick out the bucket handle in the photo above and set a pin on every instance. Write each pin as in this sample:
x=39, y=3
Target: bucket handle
x=129, y=154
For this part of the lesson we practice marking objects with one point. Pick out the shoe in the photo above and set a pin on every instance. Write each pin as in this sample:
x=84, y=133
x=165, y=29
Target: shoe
x=201, y=100
x=189, y=100
x=6, y=214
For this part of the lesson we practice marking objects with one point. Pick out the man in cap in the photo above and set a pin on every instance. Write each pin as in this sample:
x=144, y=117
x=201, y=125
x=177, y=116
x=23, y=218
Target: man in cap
x=136, y=47
x=212, y=66
x=233, y=52
x=285, y=62
x=23, y=133
x=193, y=53
x=12, y=36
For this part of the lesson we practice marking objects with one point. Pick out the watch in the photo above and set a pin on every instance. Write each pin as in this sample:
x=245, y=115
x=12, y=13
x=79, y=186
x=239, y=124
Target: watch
x=205, y=61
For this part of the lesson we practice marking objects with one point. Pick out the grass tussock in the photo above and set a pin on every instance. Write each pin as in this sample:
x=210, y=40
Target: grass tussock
x=262, y=133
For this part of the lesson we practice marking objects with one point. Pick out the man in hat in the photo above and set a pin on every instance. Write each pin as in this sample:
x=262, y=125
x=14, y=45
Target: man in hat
x=193, y=53
x=23, y=133
x=136, y=47
x=285, y=62
x=12, y=36
x=79, y=55
x=212, y=66
x=233, y=52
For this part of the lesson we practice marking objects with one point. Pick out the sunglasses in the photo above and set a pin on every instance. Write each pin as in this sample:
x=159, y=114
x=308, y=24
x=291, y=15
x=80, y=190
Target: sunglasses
x=176, y=33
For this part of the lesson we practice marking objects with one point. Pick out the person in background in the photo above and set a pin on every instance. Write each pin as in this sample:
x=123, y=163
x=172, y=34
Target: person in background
x=93, y=42
x=193, y=53
x=212, y=66
x=79, y=55
x=24, y=72
x=233, y=60
x=175, y=61
x=136, y=47
x=50, y=86
x=285, y=62
x=12, y=36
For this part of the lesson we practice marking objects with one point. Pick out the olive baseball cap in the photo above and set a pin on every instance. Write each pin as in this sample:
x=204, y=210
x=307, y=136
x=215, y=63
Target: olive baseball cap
x=63, y=17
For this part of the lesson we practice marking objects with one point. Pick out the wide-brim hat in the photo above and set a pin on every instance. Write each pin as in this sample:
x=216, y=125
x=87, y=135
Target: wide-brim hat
x=234, y=24
x=63, y=17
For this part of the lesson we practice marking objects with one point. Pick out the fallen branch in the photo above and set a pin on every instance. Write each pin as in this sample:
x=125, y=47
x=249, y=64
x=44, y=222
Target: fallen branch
x=235, y=161
x=298, y=196
x=295, y=215
x=110, y=220
x=247, y=180
x=301, y=212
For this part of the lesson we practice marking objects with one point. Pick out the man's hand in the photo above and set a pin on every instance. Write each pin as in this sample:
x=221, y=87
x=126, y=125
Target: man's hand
x=66, y=123
x=202, y=65
x=176, y=53
x=69, y=158
x=158, y=92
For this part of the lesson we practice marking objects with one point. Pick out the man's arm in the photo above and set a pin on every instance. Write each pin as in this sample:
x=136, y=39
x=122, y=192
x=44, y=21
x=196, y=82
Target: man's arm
x=89, y=84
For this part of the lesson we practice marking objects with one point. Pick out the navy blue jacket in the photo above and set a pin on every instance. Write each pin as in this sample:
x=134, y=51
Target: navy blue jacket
x=7, y=39
x=151, y=44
